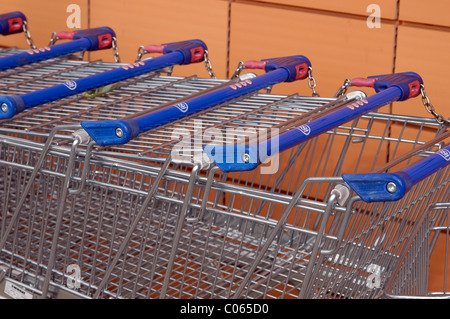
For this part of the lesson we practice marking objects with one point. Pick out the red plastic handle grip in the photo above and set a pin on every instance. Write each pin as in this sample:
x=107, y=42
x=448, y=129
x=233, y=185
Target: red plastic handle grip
x=154, y=48
x=65, y=35
x=255, y=64
x=362, y=82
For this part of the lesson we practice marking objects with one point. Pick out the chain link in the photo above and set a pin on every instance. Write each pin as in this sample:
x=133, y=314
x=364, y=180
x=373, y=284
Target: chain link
x=238, y=71
x=115, y=50
x=343, y=89
x=431, y=109
x=141, y=52
x=312, y=82
x=53, y=39
x=28, y=35
x=208, y=65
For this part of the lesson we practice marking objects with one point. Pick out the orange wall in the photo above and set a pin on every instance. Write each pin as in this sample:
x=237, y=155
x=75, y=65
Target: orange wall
x=44, y=17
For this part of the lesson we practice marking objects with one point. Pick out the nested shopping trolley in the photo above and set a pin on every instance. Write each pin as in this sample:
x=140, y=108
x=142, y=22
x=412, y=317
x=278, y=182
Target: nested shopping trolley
x=22, y=123
x=239, y=199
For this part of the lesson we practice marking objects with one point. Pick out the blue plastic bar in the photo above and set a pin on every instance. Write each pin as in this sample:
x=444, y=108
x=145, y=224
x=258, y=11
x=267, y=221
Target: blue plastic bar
x=36, y=55
x=174, y=53
x=117, y=132
x=249, y=156
x=11, y=22
x=83, y=40
x=382, y=187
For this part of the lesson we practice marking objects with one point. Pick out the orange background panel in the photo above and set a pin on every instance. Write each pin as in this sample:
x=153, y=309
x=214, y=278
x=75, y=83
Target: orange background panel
x=425, y=52
x=347, y=49
x=44, y=18
x=387, y=7
x=434, y=12
x=144, y=22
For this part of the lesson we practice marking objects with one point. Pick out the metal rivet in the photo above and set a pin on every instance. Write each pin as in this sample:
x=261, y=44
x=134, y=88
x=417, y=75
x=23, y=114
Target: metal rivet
x=4, y=107
x=391, y=187
x=119, y=132
x=246, y=158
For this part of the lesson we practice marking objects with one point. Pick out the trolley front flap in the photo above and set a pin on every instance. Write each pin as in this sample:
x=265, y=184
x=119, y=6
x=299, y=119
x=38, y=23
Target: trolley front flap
x=383, y=187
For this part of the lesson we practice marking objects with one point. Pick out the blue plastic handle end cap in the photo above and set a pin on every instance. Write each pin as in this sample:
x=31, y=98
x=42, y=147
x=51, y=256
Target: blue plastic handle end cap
x=383, y=187
x=408, y=82
x=116, y=132
x=100, y=38
x=12, y=22
x=297, y=66
x=232, y=157
x=192, y=50
x=10, y=106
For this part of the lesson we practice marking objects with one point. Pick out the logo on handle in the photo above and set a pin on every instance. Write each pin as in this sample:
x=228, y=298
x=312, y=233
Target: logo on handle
x=445, y=154
x=71, y=85
x=183, y=107
x=305, y=129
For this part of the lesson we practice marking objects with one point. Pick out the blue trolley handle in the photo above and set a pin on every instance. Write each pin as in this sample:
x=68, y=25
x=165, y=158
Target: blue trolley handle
x=12, y=22
x=115, y=132
x=246, y=157
x=183, y=52
x=383, y=187
x=82, y=40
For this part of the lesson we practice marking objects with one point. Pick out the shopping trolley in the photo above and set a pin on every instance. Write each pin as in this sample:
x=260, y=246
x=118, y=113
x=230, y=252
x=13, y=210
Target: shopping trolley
x=184, y=52
x=135, y=224
x=20, y=66
x=273, y=77
x=81, y=40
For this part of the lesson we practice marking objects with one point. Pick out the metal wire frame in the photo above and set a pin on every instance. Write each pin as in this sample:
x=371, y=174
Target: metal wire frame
x=411, y=278
x=94, y=231
x=189, y=242
x=229, y=220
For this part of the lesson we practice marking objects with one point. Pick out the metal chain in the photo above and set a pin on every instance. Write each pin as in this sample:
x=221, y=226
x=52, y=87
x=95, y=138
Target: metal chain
x=430, y=108
x=141, y=53
x=115, y=50
x=312, y=82
x=28, y=35
x=343, y=89
x=53, y=39
x=208, y=65
x=238, y=71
